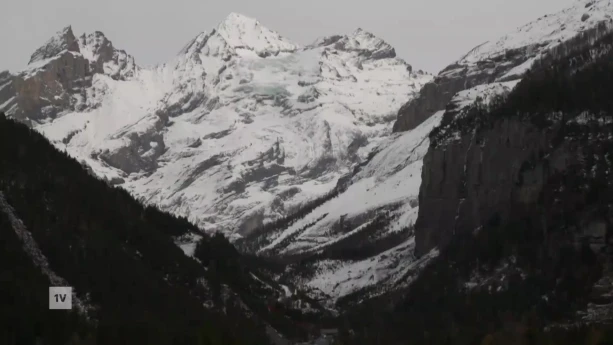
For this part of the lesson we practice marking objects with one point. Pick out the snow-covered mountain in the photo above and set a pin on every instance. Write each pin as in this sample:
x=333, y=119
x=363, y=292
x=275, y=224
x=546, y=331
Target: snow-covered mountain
x=242, y=127
x=363, y=242
x=288, y=149
x=510, y=56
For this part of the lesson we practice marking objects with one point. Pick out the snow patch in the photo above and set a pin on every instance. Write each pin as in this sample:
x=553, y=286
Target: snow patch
x=188, y=243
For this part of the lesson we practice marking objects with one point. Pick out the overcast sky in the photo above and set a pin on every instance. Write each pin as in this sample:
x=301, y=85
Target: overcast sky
x=428, y=34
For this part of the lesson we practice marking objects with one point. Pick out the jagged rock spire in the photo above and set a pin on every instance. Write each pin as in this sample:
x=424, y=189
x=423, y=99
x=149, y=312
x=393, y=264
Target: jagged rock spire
x=63, y=40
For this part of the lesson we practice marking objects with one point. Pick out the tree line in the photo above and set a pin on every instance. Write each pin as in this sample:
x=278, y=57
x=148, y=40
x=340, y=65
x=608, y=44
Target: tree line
x=141, y=286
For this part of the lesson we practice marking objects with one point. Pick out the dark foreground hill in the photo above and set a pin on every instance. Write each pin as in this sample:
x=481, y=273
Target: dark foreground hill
x=134, y=285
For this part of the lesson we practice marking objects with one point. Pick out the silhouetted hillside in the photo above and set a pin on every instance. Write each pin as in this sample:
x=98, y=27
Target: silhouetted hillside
x=118, y=255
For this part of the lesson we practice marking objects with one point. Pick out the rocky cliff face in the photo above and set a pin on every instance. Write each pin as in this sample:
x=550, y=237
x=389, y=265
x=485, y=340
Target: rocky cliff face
x=511, y=56
x=470, y=177
x=106, y=59
x=529, y=155
x=7, y=90
x=60, y=73
x=51, y=89
x=63, y=41
x=468, y=181
x=516, y=197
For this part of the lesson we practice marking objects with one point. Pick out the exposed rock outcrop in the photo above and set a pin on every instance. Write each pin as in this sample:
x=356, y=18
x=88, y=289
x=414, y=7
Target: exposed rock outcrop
x=7, y=91
x=63, y=40
x=468, y=181
x=104, y=58
x=61, y=70
x=47, y=91
x=140, y=150
x=366, y=44
x=477, y=169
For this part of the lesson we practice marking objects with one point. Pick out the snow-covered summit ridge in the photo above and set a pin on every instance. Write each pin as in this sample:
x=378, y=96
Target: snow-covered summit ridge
x=245, y=36
x=511, y=56
x=239, y=34
x=366, y=42
x=100, y=51
x=94, y=47
x=360, y=41
x=63, y=40
x=547, y=31
x=242, y=32
x=241, y=128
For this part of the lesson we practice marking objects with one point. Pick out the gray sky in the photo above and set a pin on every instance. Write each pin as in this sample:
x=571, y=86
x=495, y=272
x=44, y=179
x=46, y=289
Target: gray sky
x=428, y=34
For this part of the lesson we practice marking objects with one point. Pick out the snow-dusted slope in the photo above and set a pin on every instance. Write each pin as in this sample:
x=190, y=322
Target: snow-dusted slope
x=355, y=241
x=540, y=36
x=361, y=242
x=509, y=57
x=352, y=256
x=389, y=181
x=240, y=128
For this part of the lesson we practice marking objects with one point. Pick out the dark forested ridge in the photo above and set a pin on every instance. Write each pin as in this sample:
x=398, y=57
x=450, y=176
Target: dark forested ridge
x=541, y=272
x=118, y=255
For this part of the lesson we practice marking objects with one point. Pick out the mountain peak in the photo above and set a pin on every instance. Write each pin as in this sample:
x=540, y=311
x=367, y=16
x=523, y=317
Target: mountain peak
x=235, y=18
x=62, y=40
x=367, y=43
x=67, y=30
x=362, y=34
x=99, y=50
x=548, y=30
x=93, y=45
x=243, y=32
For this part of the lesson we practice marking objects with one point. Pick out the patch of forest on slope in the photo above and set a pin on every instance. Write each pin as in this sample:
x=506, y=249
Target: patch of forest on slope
x=142, y=287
